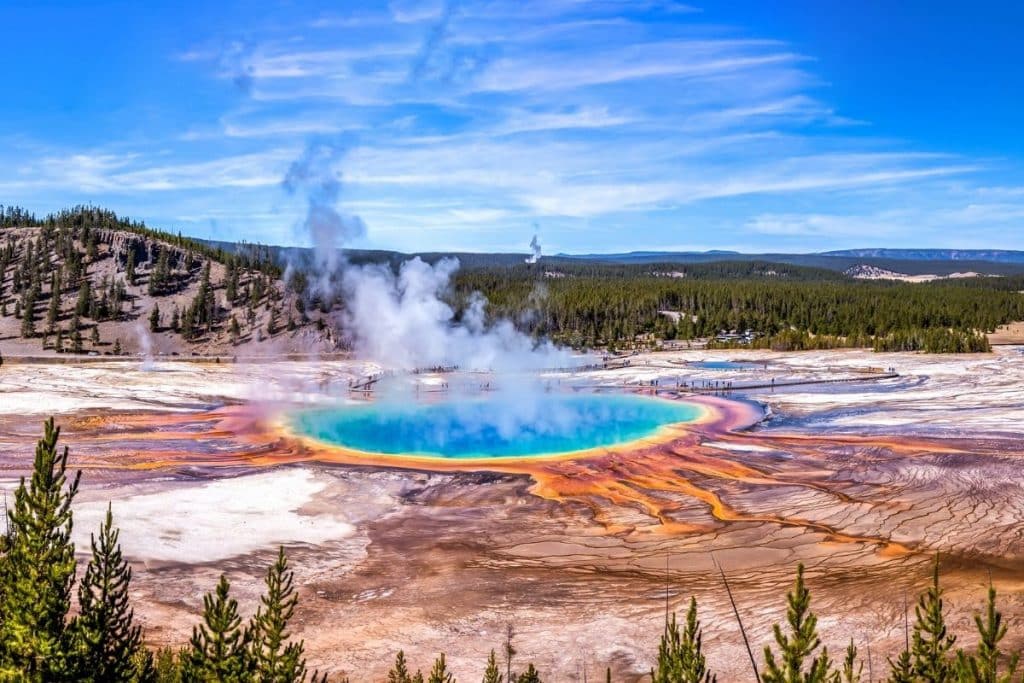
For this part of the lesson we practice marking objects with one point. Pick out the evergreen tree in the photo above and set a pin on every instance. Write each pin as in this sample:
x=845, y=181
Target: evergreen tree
x=160, y=273
x=510, y=650
x=680, y=655
x=107, y=644
x=276, y=660
x=53, y=312
x=983, y=667
x=399, y=673
x=94, y=335
x=38, y=568
x=272, y=321
x=168, y=665
x=130, y=266
x=231, y=283
x=902, y=669
x=530, y=675
x=84, y=299
x=76, y=336
x=28, y=315
x=154, y=318
x=491, y=673
x=931, y=642
x=117, y=347
x=440, y=672
x=799, y=645
x=852, y=669
x=219, y=647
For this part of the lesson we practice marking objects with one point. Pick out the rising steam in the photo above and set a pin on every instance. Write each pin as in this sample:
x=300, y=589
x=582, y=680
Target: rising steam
x=403, y=321
x=315, y=174
x=535, y=248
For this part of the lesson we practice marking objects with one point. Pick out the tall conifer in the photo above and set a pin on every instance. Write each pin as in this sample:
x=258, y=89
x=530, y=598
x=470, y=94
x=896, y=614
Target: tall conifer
x=275, y=659
x=38, y=568
x=931, y=642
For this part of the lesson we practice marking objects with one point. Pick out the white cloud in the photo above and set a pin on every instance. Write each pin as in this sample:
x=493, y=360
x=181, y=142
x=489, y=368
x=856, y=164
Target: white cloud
x=596, y=112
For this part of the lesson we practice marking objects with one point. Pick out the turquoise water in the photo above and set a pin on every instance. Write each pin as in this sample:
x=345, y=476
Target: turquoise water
x=726, y=365
x=502, y=426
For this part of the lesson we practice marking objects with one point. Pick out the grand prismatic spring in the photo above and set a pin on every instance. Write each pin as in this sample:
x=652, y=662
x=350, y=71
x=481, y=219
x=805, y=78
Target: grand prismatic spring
x=556, y=424
x=631, y=483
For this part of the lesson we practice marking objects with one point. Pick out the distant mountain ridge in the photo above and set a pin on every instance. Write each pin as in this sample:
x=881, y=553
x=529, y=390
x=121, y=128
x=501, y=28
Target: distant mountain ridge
x=906, y=261
x=990, y=255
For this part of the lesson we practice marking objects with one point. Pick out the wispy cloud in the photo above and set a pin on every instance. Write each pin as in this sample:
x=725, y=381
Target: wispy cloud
x=469, y=117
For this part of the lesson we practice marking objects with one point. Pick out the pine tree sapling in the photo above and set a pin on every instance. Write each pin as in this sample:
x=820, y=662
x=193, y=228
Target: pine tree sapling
x=276, y=660
x=219, y=647
x=931, y=642
x=107, y=644
x=440, y=672
x=680, y=654
x=530, y=675
x=399, y=673
x=983, y=667
x=799, y=645
x=168, y=665
x=852, y=669
x=491, y=673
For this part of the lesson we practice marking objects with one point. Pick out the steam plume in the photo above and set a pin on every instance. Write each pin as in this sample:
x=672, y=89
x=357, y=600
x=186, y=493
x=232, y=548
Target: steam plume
x=535, y=248
x=403, y=321
x=315, y=174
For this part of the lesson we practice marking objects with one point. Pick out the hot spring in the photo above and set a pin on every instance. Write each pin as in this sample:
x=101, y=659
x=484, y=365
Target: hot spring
x=501, y=426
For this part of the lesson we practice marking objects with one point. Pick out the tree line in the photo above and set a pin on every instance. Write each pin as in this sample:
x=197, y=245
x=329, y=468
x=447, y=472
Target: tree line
x=42, y=640
x=617, y=309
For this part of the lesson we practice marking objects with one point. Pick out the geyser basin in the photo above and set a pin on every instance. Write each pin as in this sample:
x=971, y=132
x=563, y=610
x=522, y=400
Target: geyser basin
x=503, y=426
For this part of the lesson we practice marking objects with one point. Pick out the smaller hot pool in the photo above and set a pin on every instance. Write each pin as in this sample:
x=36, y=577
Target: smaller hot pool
x=727, y=365
x=495, y=427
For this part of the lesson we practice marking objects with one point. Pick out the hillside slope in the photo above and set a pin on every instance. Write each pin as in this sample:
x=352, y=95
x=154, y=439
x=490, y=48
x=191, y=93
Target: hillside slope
x=85, y=281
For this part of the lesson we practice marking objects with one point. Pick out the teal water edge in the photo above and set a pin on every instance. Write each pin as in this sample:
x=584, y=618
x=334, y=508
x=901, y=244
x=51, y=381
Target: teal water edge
x=726, y=365
x=498, y=427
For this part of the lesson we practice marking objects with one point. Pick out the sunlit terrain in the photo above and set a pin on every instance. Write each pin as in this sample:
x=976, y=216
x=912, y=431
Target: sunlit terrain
x=860, y=474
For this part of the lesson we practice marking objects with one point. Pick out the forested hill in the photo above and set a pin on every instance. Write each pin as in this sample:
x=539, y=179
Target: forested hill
x=85, y=280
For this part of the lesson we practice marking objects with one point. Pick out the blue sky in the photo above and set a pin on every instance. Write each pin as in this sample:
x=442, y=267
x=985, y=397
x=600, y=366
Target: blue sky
x=610, y=125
